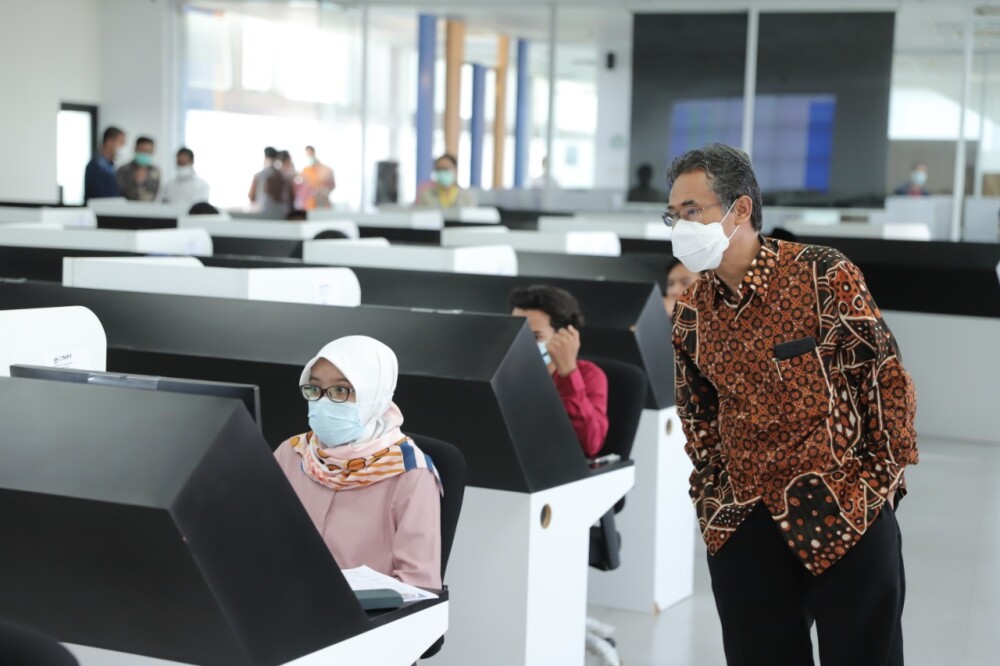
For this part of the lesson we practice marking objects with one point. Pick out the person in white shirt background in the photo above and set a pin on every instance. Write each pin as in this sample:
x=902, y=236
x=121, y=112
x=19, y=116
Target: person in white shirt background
x=188, y=187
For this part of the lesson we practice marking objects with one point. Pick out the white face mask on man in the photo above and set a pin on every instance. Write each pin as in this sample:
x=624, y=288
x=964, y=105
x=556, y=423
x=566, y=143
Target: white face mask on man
x=700, y=246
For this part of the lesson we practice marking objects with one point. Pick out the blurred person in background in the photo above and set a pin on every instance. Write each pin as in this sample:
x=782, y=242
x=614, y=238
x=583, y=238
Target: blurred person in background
x=318, y=182
x=139, y=180
x=188, y=187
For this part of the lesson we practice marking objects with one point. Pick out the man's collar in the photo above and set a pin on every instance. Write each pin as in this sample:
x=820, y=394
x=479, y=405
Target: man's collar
x=758, y=277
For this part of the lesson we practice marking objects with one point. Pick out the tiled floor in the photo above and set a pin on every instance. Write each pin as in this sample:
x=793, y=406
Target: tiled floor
x=951, y=547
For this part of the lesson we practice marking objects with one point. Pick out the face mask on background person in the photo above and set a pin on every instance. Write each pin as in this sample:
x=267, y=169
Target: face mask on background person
x=543, y=348
x=143, y=159
x=700, y=246
x=918, y=178
x=335, y=423
x=444, y=177
x=185, y=171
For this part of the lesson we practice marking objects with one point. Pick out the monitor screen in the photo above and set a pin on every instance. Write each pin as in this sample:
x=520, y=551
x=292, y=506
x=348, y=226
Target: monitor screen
x=247, y=393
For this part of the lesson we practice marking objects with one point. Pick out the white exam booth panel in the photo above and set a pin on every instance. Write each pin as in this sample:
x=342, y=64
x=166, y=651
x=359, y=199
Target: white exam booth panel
x=934, y=212
x=477, y=215
x=496, y=259
x=626, y=226
x=604, y=243
x=194, y=242
x=187, y=276
x=657, y=525
x=942, y=352
x=398, y=643
x=914, y=231
x=225, y=226
x=518, y=583
x=63, y=217
x=119, y=207
x=388, y=217
x=982, y=220
x=69, y=337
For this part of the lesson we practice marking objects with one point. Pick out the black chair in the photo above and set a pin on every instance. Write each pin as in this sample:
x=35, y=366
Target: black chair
x=450, y=464
x=27, y=647
x=627, y=386
x=330, y=234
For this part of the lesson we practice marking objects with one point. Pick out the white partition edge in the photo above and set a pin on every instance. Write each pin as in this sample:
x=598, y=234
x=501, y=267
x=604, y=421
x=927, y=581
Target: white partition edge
x=194, y=242
x=70, y=337
x=266, y=229
x=186, y=276
x=604, y=243
x=479, y=259
x=117, y=207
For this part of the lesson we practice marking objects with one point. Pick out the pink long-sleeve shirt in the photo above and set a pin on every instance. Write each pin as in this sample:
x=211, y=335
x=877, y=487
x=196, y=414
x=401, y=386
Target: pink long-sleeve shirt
x=584, y=394
x=393, y=526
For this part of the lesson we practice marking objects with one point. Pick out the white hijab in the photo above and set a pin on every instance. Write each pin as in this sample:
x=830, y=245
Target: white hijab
x=372, y=369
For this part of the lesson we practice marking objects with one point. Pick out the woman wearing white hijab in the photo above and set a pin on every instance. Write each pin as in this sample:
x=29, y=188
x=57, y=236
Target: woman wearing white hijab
x=372, y=494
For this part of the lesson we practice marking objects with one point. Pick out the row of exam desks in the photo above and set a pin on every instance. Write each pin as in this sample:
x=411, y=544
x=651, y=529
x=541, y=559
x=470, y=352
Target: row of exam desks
x=872, y=258
x=536, y=646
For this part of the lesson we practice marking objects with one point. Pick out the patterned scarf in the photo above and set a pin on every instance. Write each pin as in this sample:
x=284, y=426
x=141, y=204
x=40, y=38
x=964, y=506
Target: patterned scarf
x=361, y=467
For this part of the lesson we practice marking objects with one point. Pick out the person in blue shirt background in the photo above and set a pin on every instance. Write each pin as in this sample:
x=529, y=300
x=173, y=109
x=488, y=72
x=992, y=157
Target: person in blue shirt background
x=100, y=180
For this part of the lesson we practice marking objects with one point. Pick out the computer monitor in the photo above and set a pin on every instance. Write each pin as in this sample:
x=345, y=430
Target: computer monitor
x=247, y=393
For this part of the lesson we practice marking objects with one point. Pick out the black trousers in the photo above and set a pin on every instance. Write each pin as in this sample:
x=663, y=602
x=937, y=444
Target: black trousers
x=768, y=601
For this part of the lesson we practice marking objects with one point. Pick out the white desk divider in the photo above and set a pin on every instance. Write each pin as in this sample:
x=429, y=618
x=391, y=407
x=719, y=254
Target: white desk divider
x=397, y=643
x=224, y=226
x=118, y=207
x=478, y=215
x=195, y=242
x=888, y=231
x=484, y=260
x=982, y=220
x=394, y=217
x=658, y=525
x=69, y=337
x=64, y=217
x=187, y=276
x=605, y=243
x=630, y=226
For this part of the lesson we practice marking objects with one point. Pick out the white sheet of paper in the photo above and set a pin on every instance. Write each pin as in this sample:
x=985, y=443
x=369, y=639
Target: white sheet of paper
x=364, y=578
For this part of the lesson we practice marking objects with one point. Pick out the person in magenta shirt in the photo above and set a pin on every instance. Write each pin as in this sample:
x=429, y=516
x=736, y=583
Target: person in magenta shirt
x=371, y=493
x=555, y=318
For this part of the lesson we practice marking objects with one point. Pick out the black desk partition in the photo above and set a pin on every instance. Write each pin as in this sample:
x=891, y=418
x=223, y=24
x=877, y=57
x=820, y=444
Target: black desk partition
x=43, y=263
x=937, y=277
x=257, y=247
x=625, y=321
x=633, y=267
x=476, y=381
x=105, y=221
x=158, y=524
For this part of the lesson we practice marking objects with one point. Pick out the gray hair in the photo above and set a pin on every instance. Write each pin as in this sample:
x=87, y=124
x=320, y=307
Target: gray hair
x=729, y=172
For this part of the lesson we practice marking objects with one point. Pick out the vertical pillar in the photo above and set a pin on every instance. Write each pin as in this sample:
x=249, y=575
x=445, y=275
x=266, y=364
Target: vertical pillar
x=750, y=79
x=454, y=55
x=365, y=31
x=426, y=55
x=477, y=125
x=500, y=115
x=958, y=193
x=522, y=119
x=550, y=130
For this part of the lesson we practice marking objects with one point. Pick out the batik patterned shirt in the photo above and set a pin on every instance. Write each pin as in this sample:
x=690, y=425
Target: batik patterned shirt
x=792, y=393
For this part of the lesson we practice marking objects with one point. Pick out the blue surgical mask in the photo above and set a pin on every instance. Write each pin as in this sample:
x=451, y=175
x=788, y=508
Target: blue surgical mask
x=544, y=349
x=143, y=159
x=444, y=177
x=335, y=423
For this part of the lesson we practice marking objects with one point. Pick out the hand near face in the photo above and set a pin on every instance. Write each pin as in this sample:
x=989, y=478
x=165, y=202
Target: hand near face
x=564, y=347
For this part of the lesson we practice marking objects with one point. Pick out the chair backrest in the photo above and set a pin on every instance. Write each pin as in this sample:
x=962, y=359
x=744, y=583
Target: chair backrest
x=627, y=386
x=330, y=234
x=450, y=464
x=27, y=647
